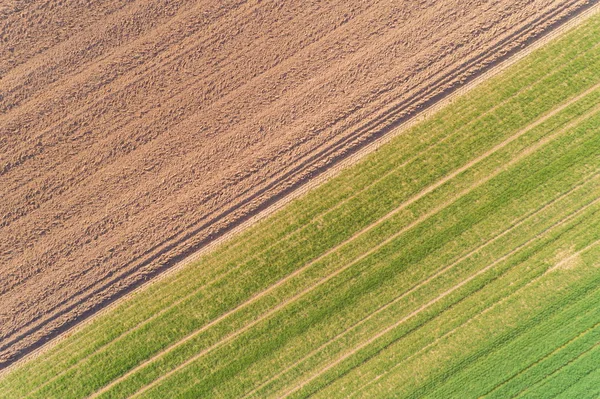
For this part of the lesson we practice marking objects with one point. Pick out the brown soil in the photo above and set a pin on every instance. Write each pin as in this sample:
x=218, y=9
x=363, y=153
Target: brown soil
x=134, y=132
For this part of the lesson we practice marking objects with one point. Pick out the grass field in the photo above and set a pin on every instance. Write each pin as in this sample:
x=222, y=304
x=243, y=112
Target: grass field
x=460, y=260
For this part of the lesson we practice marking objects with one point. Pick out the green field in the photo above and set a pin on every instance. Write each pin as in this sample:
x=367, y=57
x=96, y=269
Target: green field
x=460, y=260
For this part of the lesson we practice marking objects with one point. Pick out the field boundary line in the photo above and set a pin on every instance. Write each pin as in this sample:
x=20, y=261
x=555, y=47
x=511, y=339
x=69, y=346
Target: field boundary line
x=525, y=152
x=515, y=223
x=437, y=299
x=89, y=291
x=324, y=176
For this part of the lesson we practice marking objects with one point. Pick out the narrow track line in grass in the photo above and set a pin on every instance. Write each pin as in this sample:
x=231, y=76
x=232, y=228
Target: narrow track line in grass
x=544, y=358
x=565, y=387
x=480, y=182
x=592, y=389
x=562, y=331
x=296, y=231
x=506, y=338
x=515, y=224
x=574, y=255
x=203, y=364
x=557, y=371
x=432, y=302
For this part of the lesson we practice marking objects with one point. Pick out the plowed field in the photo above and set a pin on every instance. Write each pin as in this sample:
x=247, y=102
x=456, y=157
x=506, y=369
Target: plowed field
x=134, y=132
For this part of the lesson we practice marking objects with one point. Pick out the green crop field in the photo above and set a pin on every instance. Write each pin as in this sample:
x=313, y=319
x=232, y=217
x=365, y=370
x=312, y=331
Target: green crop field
x=460, y=260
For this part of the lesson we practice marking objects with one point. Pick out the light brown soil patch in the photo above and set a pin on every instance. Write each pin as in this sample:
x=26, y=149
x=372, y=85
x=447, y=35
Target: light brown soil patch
x=132, y=133
x=566, y=259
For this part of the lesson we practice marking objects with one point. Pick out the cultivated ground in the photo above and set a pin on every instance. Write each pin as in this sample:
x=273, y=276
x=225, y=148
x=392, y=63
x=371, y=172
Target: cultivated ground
x=460, y=260
x=134, y=132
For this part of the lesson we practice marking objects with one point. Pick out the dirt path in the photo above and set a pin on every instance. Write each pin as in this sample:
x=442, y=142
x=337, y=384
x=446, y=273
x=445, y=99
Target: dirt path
x=102, y=185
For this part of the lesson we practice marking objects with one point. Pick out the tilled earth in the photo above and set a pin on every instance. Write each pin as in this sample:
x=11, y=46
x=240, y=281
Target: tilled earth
x=134, y=132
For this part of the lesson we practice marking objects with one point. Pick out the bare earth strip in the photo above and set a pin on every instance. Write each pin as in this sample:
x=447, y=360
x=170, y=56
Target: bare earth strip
x=102, y=185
